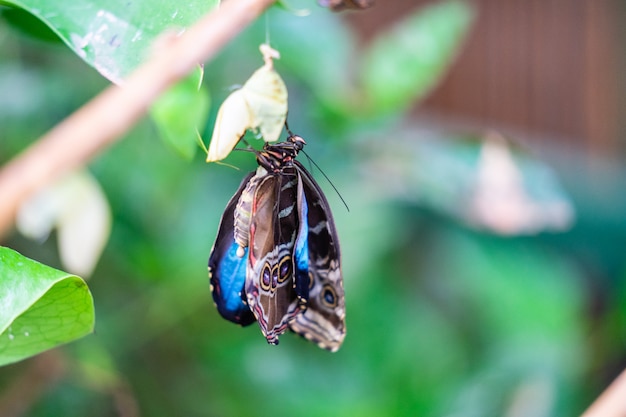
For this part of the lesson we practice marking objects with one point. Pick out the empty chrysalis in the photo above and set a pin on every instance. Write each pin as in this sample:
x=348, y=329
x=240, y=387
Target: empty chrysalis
x=261, y=104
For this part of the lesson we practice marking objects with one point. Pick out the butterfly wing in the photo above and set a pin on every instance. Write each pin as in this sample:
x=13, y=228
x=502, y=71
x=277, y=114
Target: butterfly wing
x=227, y=270
x=338, y=5
x=323, y=321
x=301, y=249
x=274, y=230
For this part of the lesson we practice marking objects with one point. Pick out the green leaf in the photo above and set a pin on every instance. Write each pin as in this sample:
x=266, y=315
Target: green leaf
x=404, y=64
x=28, y=24
x=41, y=307
x=114, y=36
x=180, y=112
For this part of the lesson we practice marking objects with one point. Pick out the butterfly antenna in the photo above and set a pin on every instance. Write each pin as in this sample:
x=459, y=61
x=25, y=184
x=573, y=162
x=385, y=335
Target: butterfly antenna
x=325, y=176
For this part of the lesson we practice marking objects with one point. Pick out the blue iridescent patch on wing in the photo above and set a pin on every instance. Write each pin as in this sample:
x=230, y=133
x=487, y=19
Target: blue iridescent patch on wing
x=231, y=274
x=301, y=252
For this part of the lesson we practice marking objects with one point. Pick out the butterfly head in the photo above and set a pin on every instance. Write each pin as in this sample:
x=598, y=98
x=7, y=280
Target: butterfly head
x=297, y=141
x=275, y=157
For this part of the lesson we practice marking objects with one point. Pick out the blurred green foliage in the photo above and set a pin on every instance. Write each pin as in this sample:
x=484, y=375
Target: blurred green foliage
x=442, y=319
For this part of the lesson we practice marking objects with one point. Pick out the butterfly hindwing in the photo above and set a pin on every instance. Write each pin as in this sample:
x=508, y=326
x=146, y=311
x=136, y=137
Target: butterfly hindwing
x=227, y=270
x=323, y=321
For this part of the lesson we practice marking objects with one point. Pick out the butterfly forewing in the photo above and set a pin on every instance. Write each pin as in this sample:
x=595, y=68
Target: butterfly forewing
x=227, y=270
x=274, y=227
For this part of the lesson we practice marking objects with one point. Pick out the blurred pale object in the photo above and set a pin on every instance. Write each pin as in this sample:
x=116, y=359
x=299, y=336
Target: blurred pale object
x=500, y=201
x=76, y=206
x=233, y=118
x=261, y=104
x=534, y=396
x=480, y=183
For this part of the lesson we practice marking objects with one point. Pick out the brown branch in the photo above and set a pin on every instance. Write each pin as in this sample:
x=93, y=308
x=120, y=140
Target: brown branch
x=104, y=119
x=612, y=402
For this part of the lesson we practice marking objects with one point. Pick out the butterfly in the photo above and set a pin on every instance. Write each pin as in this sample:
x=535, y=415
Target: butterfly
x=338, y=5
x=276, y=259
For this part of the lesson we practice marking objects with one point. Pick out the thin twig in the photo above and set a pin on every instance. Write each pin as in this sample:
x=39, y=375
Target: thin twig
x=612, y=402
x=108, y=116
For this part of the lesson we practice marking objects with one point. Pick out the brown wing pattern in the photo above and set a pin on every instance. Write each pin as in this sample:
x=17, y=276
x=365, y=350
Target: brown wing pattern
x=323, y=322
x=270, y=275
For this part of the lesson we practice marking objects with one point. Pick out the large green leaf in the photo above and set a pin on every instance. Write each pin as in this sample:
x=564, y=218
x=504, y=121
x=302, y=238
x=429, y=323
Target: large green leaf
x=405, y=63
x=40, y=307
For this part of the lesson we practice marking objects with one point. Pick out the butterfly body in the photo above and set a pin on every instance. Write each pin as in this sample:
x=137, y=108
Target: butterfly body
x=284, y=234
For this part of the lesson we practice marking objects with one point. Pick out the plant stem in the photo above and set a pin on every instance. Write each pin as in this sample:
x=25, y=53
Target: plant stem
x=103, y=120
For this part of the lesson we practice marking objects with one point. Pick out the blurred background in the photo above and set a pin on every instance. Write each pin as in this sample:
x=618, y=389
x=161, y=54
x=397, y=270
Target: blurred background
x=482, y=250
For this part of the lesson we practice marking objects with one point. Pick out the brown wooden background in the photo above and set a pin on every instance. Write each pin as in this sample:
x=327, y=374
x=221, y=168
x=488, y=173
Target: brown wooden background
x=550, y=69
